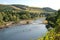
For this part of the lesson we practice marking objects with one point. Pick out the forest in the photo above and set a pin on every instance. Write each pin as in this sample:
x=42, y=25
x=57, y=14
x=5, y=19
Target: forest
x=54, y=32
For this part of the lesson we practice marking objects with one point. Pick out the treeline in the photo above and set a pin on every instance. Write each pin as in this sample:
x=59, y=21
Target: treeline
x=54, y=21
x=19, y=12
x=7, y=16
x=54, y=32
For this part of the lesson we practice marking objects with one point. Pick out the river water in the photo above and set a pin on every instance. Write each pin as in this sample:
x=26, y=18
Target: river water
x=24, y=32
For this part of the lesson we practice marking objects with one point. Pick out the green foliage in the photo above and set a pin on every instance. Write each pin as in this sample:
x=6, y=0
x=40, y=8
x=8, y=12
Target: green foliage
x=53, y=22
x=49, y=36
x=7, y=16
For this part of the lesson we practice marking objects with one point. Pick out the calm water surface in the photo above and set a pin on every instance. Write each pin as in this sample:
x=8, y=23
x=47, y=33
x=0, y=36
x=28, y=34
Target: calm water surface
x=24, y=32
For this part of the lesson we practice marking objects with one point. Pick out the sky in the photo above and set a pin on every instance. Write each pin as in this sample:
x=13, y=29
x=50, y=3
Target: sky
x=55, y=4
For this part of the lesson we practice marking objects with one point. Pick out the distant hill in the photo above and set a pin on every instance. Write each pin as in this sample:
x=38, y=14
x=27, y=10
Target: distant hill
x=30, y=9
x=18, y=7
x=8, y=8
x=49, y=9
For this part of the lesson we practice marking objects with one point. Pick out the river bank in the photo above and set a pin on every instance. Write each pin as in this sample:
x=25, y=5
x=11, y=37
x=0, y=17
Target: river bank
x=21, y=22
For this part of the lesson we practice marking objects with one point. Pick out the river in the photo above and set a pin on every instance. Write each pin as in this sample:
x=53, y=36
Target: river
x=24, y=32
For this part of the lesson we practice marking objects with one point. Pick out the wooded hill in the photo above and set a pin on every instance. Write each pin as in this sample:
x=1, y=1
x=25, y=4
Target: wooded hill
x=17, y=7
x=17, y=12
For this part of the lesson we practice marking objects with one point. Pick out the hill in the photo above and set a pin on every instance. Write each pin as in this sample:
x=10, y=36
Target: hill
x=15, y=13
x=49, y=9
x=17, y=7
x=8, y=8
x=34, y=9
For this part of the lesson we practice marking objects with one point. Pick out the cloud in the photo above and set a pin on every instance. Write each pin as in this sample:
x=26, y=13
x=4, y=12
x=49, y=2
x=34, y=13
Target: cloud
x=55, y=4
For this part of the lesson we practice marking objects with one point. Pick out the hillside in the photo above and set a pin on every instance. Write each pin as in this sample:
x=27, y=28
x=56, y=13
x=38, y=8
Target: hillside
x=15, y=13
x=8, y=8
x=30, y=9
x=16, y=7
x=34, y=9
x=49, y=9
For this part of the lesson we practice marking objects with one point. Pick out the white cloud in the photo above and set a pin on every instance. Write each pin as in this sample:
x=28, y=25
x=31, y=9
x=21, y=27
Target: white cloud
x=55, y=4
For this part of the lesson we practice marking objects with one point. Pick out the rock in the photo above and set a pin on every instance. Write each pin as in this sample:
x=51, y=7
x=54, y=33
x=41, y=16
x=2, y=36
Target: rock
x=45, y=21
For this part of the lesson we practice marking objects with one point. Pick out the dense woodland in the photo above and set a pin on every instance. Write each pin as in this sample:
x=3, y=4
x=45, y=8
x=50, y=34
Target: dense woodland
x=54, y=22
x=16, y=16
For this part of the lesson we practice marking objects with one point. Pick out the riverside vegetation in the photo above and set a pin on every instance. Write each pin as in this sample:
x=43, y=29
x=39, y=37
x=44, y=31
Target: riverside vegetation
x=10, y=14
x=54, y=32
x=7, y=17
x=16, y=13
